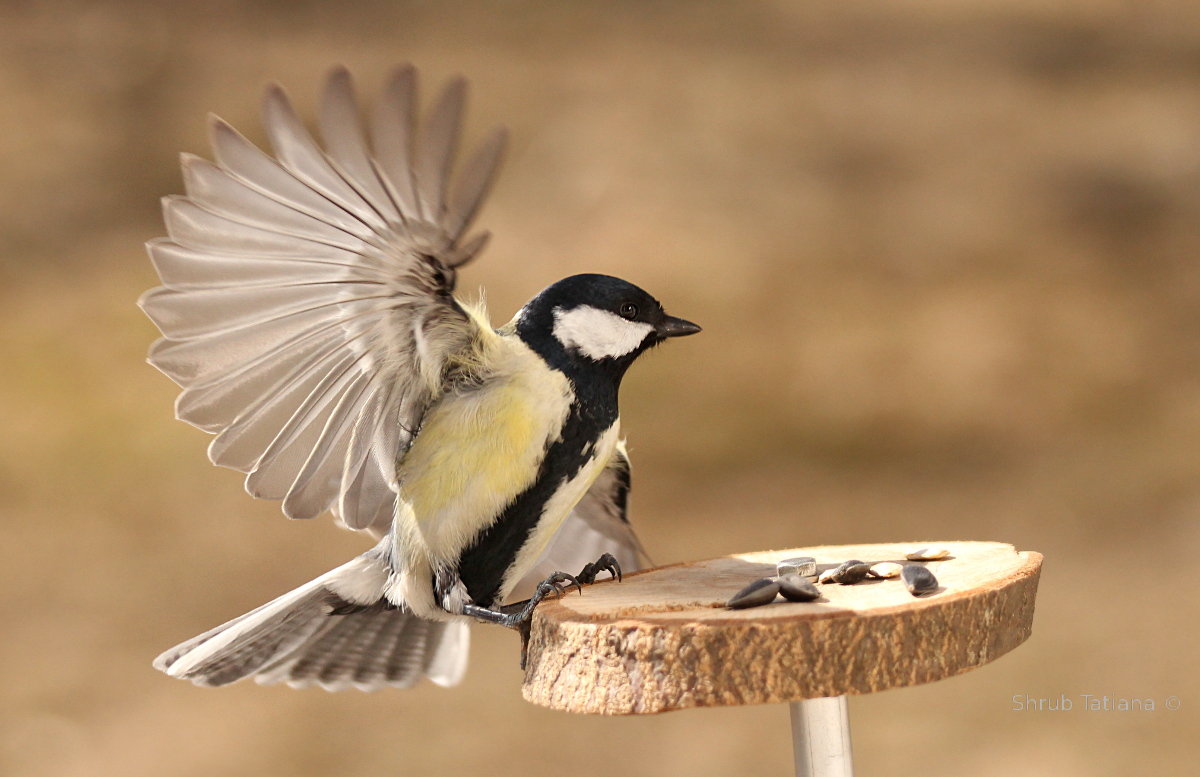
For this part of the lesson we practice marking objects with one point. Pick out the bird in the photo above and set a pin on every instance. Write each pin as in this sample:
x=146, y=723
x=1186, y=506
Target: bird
x=308, y=314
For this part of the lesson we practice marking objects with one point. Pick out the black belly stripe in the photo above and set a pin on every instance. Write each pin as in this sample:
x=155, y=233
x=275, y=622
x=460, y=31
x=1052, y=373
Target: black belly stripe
x=482, y=566
x=620, y=491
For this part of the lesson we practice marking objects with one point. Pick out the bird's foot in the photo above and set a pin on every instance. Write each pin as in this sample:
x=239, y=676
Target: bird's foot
x=521, y=612
x=519, y=615
x=513, y=615
x=605, y=563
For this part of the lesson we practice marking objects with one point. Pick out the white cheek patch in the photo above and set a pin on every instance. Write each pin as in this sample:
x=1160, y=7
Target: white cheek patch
x=598, y=334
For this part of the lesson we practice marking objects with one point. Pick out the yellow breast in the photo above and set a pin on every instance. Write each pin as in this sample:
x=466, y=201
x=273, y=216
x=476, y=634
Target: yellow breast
x=478, y=449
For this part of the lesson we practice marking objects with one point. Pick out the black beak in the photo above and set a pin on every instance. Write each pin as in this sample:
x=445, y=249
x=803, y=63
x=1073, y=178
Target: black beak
x=675, y=327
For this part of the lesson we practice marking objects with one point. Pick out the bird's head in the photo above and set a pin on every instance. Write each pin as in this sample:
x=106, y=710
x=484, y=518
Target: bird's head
x=597, y=320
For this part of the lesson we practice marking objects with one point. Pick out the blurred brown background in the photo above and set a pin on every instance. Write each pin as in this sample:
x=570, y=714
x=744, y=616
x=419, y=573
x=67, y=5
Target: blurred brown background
x=946, y=257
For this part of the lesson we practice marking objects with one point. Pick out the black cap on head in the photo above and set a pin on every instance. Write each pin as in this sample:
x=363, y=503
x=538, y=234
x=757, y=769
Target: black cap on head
x=597, y=318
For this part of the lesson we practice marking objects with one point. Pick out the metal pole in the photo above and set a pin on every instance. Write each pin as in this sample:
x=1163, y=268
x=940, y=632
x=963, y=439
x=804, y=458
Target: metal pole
x=821, y=737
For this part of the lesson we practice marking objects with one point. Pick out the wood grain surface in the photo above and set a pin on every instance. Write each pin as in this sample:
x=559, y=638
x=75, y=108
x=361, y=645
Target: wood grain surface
x=662, y=639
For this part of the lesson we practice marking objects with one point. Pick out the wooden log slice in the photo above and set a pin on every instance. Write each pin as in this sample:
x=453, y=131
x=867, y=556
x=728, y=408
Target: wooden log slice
x=662, y=639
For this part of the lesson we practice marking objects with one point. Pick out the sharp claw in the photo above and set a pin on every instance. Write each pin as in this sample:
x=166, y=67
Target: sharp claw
x=519, y=616
x=555, y=583
x=611, y=566
x=606, y=563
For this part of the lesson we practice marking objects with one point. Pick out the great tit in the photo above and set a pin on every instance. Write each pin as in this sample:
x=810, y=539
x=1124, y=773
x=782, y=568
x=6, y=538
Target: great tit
x=307, y=312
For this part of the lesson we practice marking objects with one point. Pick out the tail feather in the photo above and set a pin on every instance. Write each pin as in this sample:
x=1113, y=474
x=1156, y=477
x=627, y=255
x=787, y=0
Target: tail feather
x=246, y=656
x=320, y=658
x=305, y=638
x=407, y=657
x=447, y=664
x=372, y=666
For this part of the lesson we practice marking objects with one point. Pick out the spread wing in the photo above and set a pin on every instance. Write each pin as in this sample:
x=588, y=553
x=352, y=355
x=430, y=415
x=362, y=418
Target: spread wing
x=306, y=305
x=599, y=524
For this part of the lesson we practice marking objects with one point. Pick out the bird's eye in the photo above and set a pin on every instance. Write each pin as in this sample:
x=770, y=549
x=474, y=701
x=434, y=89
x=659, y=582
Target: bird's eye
x=629, y=310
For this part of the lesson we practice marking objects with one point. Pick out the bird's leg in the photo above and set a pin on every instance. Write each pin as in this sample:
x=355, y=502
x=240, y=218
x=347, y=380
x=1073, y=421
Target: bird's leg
x=605, y=563
x=518, y=615
x=513, y=615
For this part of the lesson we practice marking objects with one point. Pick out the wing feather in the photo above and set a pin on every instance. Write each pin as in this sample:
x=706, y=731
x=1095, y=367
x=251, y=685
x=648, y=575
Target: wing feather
x=438, y=143
x=242, y=443
x=244, y=161
x=279, y=466
x=299, y=154
x=473, y=183
x=342, y=129
x=315, y=487
x=194, y=226
x=206, y=312
x=184, y=268
x=305, y=306
x=215, y=190
x=214, y=357
x=364, y=486
x=393, y=126
x=214, y=405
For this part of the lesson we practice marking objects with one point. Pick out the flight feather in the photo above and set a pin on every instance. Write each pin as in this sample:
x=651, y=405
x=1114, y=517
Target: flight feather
x=306, y=306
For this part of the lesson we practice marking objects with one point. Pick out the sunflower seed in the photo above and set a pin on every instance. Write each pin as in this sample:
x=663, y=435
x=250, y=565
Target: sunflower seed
x=885, y=569
x=928, y=554
x=804, y=566
x=827, y=575
x=850, y=572
x=918, y=579
x=758, y=593
x=796, y=589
